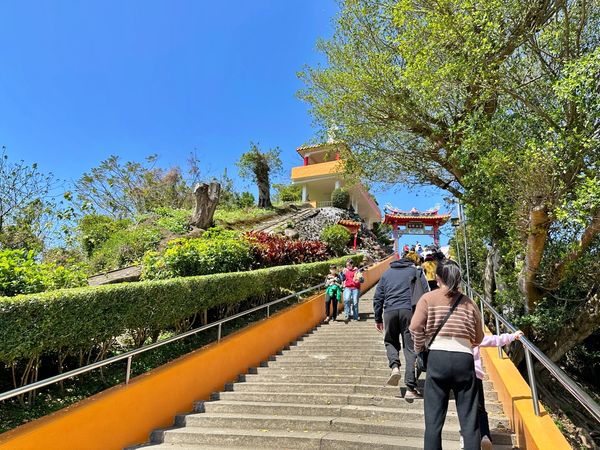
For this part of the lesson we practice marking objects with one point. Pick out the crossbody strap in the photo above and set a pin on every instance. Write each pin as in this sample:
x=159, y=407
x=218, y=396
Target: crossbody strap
x=456, y=302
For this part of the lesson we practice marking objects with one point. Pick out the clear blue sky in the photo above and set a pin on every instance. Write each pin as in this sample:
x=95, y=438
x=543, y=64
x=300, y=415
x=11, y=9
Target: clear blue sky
x=83, y=80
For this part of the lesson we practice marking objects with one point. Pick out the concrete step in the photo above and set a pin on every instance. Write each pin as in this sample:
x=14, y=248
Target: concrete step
x=408, y=426
x=340, y=359
x=324, y=388
x=326, y=378
x=315, y=387
x=323, y=440
x=384, y=401
x=327, y=362
x=285, y=370
x=403, y=411
x=414, y=428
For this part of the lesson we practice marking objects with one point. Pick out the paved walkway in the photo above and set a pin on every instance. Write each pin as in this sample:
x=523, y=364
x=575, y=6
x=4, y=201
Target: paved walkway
x=327, y=391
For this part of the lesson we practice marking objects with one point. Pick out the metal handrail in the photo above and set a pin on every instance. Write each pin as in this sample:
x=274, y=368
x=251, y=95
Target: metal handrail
x=530, y=349
x=130, y=354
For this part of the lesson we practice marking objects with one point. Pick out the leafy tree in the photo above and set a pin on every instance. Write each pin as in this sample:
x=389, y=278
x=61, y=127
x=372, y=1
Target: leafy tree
x=245, y=200
x=25, y=204
x=258, y=166
x=288, y=192
x=124, y=189
x=95, y=230
x=497, y=103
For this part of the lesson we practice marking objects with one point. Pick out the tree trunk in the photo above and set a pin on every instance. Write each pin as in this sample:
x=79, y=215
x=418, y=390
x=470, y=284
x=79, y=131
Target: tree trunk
x=539, y=224
x=574, y=331
x=264, y=191
x=207, y=198
x=489, y=278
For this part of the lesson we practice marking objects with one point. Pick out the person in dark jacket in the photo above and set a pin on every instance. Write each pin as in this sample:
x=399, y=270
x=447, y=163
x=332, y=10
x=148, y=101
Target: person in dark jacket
x=393, y=304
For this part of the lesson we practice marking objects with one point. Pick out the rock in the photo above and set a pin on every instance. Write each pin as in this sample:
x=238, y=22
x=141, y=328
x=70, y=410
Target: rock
x=291, y=233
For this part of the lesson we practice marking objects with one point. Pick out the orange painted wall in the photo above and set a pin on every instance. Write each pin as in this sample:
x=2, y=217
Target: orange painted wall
x=315, y=170
x=533, y=433
x=126, y=414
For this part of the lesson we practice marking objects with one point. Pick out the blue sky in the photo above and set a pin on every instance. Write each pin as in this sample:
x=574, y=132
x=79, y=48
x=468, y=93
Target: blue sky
x=83, y=80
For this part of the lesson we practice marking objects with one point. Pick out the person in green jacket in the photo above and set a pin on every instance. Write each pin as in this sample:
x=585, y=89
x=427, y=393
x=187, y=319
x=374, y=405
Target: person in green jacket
x=333, y=293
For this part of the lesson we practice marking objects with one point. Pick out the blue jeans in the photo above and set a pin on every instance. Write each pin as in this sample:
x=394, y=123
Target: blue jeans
x=351, y=297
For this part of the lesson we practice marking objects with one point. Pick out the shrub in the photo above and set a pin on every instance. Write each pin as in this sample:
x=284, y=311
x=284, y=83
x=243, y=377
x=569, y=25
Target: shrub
x=217, y=251
x=125, y=247
x=175, y=220
x=336, y=237
x=288, y=192
x=340, y=198
x=20, y=273
x=245, y=200
x=77, y=320
x=96, y=229
x=270, y=250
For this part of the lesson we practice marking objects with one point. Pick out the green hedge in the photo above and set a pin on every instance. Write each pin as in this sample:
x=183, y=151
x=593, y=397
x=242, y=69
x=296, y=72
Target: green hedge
x=77, y=320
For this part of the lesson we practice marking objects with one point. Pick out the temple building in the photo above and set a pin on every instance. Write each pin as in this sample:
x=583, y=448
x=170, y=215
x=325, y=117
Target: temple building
x=322, y=172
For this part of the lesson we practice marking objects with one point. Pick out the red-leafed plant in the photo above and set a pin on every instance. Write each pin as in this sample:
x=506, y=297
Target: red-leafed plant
x=270, y=250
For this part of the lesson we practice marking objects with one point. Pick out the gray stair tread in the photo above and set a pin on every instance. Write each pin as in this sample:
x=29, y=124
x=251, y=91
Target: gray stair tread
x=352, y=440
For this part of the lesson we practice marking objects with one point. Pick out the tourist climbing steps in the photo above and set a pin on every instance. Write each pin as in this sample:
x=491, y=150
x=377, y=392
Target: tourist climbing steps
x=327, y=391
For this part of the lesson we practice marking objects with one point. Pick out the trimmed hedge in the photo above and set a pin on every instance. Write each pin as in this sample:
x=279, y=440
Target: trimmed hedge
x=77, y=320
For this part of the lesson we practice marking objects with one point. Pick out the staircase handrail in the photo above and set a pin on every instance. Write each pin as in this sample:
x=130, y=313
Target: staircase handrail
x=530, y=349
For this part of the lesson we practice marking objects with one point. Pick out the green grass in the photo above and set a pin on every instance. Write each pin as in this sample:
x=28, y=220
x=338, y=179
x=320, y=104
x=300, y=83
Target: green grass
x=229, y=217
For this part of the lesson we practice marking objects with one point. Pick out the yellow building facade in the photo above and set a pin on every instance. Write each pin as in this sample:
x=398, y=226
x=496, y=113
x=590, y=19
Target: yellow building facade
x=322, y=172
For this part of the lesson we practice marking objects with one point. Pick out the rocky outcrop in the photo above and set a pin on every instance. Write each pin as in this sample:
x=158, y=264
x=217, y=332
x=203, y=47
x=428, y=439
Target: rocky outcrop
x=310, y=228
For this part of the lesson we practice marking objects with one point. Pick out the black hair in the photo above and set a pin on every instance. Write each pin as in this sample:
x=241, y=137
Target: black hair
x=333, y=266
x=449, y=272
x=351, y=261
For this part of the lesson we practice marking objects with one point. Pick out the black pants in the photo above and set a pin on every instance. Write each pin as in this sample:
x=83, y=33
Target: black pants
x=396, y=324
x=484, y=423
x=331, y=302
x=451, y=371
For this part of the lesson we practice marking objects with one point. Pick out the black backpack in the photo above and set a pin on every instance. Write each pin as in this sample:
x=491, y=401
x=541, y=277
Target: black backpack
x=416, y=287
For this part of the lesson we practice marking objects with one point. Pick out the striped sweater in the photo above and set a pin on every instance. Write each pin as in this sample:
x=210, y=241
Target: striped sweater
x=460, y=333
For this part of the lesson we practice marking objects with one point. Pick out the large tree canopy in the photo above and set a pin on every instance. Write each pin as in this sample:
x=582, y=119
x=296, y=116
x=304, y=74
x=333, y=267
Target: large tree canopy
x=496, y=102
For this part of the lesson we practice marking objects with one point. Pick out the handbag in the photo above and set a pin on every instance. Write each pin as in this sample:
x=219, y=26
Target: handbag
x=421, y=362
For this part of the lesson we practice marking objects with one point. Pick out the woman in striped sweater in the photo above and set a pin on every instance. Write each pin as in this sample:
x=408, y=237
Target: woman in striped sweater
x=450, y=366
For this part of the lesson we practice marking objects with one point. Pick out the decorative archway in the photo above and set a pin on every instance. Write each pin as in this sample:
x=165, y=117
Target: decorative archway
x=414, y=222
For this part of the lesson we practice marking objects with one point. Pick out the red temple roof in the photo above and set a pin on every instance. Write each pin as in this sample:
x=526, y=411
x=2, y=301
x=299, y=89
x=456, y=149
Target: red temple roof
x=349, y=223
x=427, y=219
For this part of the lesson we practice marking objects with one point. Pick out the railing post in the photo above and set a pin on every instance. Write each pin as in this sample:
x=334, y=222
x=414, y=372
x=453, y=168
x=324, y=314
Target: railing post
x=482, y=317
x=532, y=384
x=219, y=333
x=128, y=372
x=268, y=311
x=498, y=334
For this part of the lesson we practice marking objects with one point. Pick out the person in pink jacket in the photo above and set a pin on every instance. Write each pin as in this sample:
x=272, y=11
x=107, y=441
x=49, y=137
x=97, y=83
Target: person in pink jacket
x=488, y=341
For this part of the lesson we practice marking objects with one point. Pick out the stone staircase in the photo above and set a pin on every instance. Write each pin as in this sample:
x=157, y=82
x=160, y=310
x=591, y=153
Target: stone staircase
x=327, y=391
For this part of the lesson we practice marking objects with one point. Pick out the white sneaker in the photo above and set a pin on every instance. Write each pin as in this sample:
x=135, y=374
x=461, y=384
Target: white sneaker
x=395, y=377
x=462, y=443
x=486, y=444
